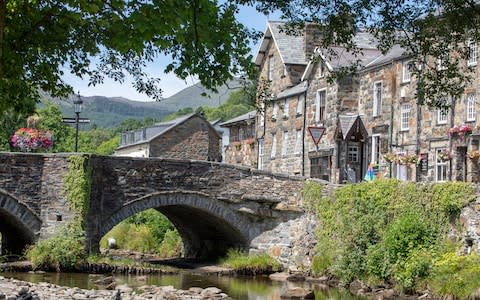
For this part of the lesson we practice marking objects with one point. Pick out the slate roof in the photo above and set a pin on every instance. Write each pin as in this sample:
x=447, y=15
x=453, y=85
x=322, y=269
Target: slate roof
x=248, y=116
x=295, y=90
x=290, y=47
x=395, y=53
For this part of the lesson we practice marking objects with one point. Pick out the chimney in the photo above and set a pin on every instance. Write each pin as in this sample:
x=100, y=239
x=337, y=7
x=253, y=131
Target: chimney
x=312, y=38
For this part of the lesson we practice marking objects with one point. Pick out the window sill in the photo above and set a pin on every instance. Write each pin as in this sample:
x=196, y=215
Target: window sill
x=405, y=82
x=298, y=115
x=470, y=121
x=404, y=130
x=471, y=65
x=285, y=118
x=272, y=158
x=441, y=124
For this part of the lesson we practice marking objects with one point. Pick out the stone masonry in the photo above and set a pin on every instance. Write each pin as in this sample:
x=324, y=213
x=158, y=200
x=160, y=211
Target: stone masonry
x=214, y=206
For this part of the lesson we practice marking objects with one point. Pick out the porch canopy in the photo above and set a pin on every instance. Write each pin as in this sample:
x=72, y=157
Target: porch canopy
x=351, y=125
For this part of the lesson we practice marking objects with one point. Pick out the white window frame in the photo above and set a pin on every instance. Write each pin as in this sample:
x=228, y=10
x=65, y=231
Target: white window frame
x=286, y=107
x=377, y=98
x=285, y=144
x=318, y=103
x=376, y=146
x=472, y=53
x=274, y=110
x=471, y=108
x=405, y=110
x=406, y=75
x=442, y=116
x=298, y=141
x=273, y=153
x=271, y=67
x=300, y=101
x=261, y=153
x=441, y=168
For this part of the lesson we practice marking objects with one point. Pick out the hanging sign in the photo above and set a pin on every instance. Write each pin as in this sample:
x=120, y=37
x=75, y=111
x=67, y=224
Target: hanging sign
x=316, y=133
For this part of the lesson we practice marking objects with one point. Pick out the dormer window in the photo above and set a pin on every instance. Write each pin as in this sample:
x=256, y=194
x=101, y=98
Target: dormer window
x=406, y=71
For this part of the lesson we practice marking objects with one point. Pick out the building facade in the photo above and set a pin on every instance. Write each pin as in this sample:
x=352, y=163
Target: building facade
x=336, y=128
x=187, y=137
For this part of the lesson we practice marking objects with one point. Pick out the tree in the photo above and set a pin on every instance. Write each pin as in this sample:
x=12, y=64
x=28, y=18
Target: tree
x=40, y=40
x=435, y=34
x=51, y=120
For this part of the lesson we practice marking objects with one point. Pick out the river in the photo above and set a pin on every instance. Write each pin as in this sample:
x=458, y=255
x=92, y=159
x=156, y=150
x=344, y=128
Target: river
x=241, y=288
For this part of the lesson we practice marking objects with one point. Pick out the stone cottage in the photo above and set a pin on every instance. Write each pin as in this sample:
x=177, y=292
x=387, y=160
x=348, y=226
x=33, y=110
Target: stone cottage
x=240, y=140
x=334, y=129
x=187, y=137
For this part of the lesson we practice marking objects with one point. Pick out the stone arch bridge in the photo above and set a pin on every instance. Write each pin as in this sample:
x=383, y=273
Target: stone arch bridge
x=214, y=206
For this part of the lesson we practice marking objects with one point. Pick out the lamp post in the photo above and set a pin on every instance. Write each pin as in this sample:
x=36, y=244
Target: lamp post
x=77, y=104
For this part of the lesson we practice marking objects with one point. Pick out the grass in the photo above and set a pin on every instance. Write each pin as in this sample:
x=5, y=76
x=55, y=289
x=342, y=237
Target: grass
x=250, y=264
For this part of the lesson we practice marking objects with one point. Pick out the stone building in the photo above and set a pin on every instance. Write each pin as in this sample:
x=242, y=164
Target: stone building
x=335, y=129
x=240, y=146
x=187, y=137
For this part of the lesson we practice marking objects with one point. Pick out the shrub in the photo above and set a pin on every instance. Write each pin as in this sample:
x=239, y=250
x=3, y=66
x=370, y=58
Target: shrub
x=171, y=245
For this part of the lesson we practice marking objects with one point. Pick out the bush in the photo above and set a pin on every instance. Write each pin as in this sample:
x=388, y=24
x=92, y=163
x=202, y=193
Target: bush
x=456, y=275
x=61, y=252
x=171, y=245
x=387, y=230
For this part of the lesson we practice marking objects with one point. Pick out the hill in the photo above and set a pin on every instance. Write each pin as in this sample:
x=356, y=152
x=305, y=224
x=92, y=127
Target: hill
x=111, y=111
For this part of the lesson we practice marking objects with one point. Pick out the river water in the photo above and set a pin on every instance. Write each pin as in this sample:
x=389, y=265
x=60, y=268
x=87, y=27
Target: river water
x=241, y=288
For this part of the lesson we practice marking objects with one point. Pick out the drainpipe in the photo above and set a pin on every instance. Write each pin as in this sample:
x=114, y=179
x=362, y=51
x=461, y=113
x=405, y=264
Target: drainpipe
x=419, y=112
x=304, y=129
x=450, y=142
x=390, y=128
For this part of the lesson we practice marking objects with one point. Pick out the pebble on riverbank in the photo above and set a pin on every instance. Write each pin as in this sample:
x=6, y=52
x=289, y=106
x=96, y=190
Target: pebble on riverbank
x=12, y=289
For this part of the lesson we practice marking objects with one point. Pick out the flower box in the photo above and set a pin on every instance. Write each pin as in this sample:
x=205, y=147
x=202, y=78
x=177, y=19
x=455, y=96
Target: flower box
x=460, y=131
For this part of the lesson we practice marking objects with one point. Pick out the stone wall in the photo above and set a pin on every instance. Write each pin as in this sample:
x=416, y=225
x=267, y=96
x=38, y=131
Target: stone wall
x=192, y=139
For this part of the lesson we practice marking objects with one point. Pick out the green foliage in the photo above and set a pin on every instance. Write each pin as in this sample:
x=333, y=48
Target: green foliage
x=62, y=251
x=171, y=245
x=241, y=261
x=77, y=184
x=311, y=192
x=386, y=230
x=456, y=275
x=51, y=120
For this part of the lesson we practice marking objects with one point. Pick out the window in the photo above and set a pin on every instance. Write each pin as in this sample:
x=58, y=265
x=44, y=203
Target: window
x=405, y=116
x=442, y=116
x=300, y=101
x=472, y=53
x=298, y=141
x=320, y=105
x=321, y=71
x=286, y=105
x=271, y=66
x=401, y=172
x=377, y=98
x=285, y=72
x=320, y=167
x=376, y=148
x=440, y=168
x=261, y=153
x=353, y=154
x=471, y=107
x=274, y=110
x=274, y=146
x=442, y=62
x=406, y=71
x=285, y=144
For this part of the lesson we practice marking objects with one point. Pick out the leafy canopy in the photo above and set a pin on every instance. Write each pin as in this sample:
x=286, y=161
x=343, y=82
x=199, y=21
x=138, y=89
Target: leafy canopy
x=41, y=40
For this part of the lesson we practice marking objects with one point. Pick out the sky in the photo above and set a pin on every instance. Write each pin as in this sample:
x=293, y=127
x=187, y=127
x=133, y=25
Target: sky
x=169, y=83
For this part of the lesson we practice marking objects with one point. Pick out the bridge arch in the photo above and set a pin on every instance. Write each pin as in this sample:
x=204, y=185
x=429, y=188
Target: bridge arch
x=19, y=225
x=208, y=227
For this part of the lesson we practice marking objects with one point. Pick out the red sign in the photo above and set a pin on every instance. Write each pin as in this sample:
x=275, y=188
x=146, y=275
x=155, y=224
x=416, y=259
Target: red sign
x=316, y=133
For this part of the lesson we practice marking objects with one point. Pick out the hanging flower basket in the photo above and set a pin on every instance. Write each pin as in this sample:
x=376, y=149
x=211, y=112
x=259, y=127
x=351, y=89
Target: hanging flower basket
x=473, y=154
x=401, y=159
x=444, y=155
x=389, y=157
x=460, y=131
x=31, y=139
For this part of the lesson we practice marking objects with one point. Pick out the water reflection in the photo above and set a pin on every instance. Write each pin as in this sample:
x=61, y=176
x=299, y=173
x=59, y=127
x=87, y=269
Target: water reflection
x=241, y=288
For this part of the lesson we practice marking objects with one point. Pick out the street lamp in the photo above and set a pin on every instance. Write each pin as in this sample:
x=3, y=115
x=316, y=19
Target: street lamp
x=77, y=105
